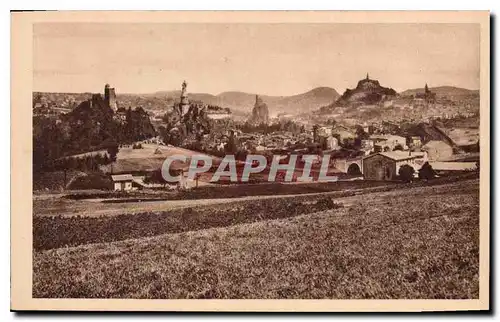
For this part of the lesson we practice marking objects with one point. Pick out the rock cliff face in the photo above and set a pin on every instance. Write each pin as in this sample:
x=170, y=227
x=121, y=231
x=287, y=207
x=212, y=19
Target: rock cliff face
x=368, y=92
x=260, y=112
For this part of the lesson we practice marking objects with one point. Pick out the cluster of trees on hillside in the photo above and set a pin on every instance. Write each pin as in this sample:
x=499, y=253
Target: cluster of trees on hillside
x=84, y=163
x=89, y=127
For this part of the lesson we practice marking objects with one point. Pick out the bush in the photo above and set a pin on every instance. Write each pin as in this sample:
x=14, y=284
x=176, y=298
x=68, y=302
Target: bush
x=426, y=172
x=325, y=202
x=91, y=181
x=406, y=173
x=112, y=150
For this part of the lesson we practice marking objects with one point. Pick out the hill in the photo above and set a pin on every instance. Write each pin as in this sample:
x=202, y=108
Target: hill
x=244, y=102
x=450, y=92
x=240, y=103
x=90, y=126
x=367, y=92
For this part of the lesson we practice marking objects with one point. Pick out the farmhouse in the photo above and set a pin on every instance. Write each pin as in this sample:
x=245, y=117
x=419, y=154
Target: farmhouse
x=122, y=182
x=385, y=165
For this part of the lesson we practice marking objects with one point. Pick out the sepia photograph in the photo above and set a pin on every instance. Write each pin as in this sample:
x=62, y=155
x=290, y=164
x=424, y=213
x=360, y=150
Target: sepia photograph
x=251, y=156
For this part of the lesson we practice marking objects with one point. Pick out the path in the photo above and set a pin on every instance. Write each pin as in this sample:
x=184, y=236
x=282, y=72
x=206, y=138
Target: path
x=95, y=208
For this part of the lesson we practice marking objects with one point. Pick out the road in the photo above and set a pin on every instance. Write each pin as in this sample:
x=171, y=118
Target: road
x=96, y=208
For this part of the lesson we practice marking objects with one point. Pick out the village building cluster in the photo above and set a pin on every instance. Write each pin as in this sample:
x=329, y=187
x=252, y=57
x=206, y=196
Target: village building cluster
x=369, y=150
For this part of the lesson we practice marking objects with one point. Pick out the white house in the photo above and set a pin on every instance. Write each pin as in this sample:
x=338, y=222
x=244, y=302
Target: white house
x=122, y=182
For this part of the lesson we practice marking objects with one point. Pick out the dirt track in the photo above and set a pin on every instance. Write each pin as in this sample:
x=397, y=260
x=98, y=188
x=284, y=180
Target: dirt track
x=94, y=207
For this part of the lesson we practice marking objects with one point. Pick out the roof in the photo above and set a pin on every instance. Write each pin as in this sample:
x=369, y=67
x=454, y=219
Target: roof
x=453, y=166
x=398, y=155
x=386, y=137
x=345, y=133
x=436, y=143
x=122, y=177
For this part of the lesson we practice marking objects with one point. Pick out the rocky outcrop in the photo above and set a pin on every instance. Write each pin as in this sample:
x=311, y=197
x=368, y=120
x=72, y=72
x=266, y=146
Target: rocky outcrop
x=367, y=92
x=260, y=112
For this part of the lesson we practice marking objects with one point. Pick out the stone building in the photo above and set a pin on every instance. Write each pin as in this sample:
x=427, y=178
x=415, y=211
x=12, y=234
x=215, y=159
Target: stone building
x=388, y=142
x=427, y=97
x=386, y=165
x=110, y=97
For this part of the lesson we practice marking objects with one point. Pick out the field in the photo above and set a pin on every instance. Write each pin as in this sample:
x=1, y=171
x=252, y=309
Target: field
x=411, y=241
x=149, y=158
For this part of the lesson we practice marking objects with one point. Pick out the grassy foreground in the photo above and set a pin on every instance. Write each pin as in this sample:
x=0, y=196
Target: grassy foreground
x=411, y=243
x=60, y=231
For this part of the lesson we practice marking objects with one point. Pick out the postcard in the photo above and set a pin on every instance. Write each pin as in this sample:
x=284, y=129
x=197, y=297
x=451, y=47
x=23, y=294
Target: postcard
x=250, y=161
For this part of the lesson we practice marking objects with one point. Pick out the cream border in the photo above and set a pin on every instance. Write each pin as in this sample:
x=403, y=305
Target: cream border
x=21, y=149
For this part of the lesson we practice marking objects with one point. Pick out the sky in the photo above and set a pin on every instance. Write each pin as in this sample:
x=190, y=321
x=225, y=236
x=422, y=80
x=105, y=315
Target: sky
x=271, y=59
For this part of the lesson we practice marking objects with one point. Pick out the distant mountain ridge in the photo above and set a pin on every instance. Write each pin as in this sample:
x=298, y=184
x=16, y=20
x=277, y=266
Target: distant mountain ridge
x=242, y=101
x=443, y=91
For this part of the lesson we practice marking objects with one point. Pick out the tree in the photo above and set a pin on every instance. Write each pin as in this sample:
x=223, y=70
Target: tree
x=426, y=172
x=406, y=173
x=112, y=151
x=315, y=132
x=155, y=177
x=232, y=144
x=361, y=134
x=105, y=159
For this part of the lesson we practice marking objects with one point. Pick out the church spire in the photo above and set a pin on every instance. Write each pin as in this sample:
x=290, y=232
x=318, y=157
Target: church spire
x=367, y=76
